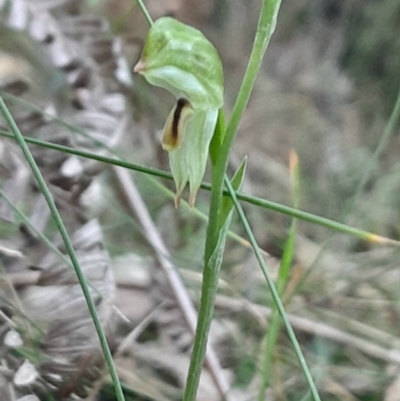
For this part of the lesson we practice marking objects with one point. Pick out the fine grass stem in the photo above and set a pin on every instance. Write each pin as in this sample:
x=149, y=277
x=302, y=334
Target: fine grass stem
x=274, y=327
x=263, y=203
x=68, y=245
x=383, y=141
x=275, y=294
x=145, y=12
x=387, y=133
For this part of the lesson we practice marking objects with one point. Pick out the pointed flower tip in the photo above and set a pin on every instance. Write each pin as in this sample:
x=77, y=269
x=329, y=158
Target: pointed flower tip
x=192, y=199
x=139, y=67
x=177, y=200
x=293, y=161
x=175, y=125
x=377, y=239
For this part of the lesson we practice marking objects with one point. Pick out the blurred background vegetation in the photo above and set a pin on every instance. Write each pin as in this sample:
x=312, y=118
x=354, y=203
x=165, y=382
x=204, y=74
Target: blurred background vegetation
x=327, y=89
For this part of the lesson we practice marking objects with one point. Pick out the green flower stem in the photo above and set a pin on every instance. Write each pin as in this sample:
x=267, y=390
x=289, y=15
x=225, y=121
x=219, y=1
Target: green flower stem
x=208, y=289
x=263, y=203
x=265, y=29
x=266, y=26
x=274, y=293
x=68, y=245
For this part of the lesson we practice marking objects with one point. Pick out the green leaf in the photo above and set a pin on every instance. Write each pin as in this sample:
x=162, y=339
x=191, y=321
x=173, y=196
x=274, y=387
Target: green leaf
x=218, y=137
x=225, y=218
x=216, y=257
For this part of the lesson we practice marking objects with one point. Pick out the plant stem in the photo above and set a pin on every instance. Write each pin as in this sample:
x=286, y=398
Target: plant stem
x=387, y=133
x=266, y=26
x=68, y=245
x=208, y=289
x=265, y=29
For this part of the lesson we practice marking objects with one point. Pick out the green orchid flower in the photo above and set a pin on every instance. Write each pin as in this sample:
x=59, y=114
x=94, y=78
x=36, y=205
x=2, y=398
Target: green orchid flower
x=180, y=59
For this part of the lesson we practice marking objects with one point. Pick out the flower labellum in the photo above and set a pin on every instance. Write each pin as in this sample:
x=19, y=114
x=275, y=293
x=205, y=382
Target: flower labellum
x=180, y=59
x=175, y=124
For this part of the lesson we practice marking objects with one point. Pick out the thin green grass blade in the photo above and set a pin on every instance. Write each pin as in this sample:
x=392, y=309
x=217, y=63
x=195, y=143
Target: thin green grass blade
x=274, y=327
x=288, y=250
x=384, y=140
x=263, y=203
x=68, y=245
x=145, y=12
x=236, y=182
x=387, y=133
x=265, y=29
x=275, y=295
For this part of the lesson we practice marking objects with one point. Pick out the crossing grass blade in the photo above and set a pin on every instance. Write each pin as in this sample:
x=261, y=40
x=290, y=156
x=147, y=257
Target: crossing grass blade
x=68, y=245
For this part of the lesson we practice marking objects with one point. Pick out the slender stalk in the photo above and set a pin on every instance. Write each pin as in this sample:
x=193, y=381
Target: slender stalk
x=387, y=133
x=265, y=29
x=315, y=219
x=208, y=289
x=68, y=245
x=263, y=203
x=93, y=156
x=270, y=340
x=274, y=293
x=275, y=324
x=266, y=26
x=145, y=12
